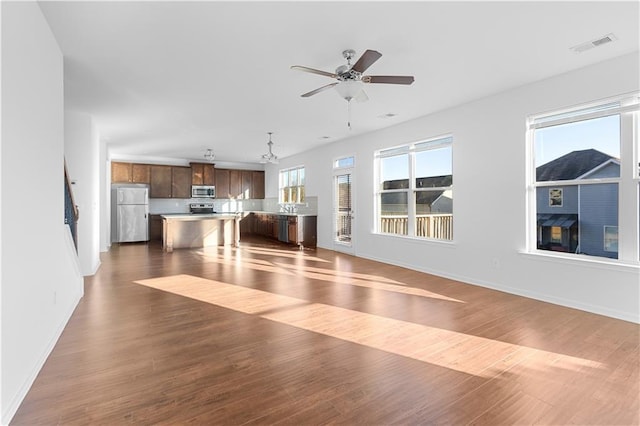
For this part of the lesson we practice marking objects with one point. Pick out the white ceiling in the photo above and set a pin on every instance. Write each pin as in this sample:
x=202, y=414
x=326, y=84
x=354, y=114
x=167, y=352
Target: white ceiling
x=171, y=79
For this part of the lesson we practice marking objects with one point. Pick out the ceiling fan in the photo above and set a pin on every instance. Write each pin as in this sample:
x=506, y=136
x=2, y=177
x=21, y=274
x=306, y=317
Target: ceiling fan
x=350, y=81
x=350, y=78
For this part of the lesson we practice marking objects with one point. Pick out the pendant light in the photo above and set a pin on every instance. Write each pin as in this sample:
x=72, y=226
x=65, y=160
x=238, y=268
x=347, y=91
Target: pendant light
x=269, y=157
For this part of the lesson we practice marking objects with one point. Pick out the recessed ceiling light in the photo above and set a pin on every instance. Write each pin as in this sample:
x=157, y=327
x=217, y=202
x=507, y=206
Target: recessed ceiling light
x=608, y=38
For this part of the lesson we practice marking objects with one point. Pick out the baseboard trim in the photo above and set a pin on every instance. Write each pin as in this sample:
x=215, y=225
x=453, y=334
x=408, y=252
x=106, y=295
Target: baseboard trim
x=568, y=303
x=13, y=406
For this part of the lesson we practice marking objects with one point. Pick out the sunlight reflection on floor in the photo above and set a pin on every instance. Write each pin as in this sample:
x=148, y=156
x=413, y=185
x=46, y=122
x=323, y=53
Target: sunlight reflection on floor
x=323, y=274
x=457, y=351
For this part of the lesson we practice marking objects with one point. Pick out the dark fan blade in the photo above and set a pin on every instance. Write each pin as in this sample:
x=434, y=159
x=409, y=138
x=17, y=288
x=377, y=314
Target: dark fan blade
x=321, y=89
x=313, y=71
x=366, y=60
x=388, y=79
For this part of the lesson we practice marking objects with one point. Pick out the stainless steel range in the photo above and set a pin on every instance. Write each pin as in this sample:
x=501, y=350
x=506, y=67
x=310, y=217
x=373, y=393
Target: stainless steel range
x=201, y=208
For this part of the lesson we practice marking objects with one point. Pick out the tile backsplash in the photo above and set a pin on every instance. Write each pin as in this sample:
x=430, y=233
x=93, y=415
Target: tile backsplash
x=310, y=205
x=224, y=205
x=221, y=205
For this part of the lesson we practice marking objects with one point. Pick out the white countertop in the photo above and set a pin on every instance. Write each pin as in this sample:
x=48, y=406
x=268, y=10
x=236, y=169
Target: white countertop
x=189, y=216
x=226, y=215
x=284, y=213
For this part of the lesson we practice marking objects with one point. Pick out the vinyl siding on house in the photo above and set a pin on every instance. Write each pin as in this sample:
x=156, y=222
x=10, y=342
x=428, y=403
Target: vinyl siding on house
x=596, y=212
x=569, y=200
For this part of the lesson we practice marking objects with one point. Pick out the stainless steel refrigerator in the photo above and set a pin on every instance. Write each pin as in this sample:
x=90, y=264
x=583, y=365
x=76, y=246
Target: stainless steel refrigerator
x=130, y=214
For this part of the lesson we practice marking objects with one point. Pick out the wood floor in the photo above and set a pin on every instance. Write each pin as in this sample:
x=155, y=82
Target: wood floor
x=266, y=334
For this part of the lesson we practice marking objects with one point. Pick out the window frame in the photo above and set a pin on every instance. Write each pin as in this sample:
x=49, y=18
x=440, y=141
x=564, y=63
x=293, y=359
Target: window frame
x=298, y=189
x=627, y=107
x=412, y=190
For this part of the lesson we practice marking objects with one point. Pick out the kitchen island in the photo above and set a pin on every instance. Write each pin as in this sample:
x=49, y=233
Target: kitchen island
x=199, y=230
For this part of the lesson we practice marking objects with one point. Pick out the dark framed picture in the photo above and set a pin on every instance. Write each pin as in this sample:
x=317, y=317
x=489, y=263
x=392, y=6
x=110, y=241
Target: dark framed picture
x=555, y=197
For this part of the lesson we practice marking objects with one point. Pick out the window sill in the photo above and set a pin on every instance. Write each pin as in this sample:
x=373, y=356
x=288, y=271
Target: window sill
x=583, y=260
x=419, y=240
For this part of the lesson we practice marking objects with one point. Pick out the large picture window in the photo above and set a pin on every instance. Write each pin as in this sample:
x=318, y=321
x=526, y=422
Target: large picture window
x=577, y=181
x=415, y=190
x=291, y=186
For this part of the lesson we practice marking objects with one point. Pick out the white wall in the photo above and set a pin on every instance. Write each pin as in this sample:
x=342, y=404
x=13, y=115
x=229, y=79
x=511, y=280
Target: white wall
x=104, y=197
x=81, y=150
x=41, y=281
x=489, y=195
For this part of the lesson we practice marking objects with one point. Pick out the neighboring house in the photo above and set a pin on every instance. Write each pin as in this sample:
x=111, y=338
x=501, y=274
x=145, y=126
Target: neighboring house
x=427, y=202
x=579, y=218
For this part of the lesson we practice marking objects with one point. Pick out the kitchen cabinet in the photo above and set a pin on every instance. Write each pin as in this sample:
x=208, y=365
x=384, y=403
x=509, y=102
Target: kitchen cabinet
x=305, y=230
x=202, y=174
x=246, y=179
x=235, y=184
x=239, y=184
x=247, y=224
x=257, y=185
x=120, y=172
x=300, y=229
x=293, y=229
x=266, y=225
x=175, y=181
x=155, y=227
x=170, y=182
x=160, y=182
x=129, y=172
x=222, y=183
x=180, y=182
x=140, y=173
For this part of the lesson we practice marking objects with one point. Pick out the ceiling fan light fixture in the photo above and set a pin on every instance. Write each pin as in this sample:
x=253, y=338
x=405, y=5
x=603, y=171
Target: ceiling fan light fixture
x=349, y=89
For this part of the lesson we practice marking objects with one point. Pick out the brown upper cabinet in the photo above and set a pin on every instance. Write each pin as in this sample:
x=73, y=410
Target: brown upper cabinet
x=130, y=173
x=181, y=182
x=202, y=174
x=222, y=183
x=141, y=173
x=235, y=184
x=120, y=172
x=239, y=184
x=257, y=185
x=246, y=192
x=160, y=185
x=175, y=181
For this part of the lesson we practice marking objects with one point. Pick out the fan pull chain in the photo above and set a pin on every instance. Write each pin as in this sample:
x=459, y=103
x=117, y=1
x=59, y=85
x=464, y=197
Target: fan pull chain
x=349, y=114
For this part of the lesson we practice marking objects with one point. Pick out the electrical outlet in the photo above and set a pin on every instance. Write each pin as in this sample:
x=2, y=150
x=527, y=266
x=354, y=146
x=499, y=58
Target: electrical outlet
x=495, y=262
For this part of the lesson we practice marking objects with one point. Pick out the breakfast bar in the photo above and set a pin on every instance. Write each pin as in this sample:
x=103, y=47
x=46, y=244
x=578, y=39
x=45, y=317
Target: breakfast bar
x=199, y=230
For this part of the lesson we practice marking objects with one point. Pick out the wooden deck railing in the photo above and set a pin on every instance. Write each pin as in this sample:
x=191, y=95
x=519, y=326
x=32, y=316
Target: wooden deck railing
x=343, y=227
x=439, y=226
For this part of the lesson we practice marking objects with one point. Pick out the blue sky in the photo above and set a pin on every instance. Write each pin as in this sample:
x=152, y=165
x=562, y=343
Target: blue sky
x=434, y=162
x=602, y=134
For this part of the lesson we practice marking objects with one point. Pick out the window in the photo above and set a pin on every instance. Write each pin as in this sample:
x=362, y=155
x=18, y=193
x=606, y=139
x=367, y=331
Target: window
x=611, y=238
x=555, y=197
x=578, y=180
x=344, y=162
x=343, y=199
x=291, y=185
x=415, y=189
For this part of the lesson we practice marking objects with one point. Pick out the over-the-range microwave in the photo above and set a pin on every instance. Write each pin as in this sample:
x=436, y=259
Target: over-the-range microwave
x=203, y=191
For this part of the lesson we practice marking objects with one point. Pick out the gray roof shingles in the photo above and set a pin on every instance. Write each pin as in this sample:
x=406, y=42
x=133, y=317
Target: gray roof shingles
x=571, y=165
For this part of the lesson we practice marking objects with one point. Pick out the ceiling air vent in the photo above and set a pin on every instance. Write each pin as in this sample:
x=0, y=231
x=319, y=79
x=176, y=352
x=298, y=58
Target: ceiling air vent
x=594, y=43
